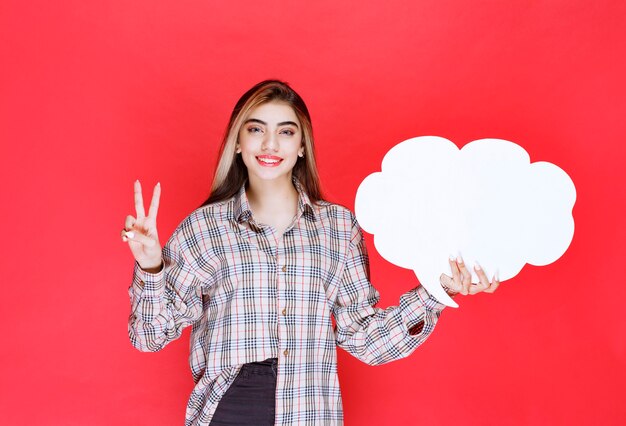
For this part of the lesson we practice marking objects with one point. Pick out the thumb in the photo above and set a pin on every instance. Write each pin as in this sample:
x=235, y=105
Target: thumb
x=446, y=280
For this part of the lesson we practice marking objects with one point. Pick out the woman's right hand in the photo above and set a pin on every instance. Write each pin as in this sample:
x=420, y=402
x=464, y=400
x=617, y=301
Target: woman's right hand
x=141, y=232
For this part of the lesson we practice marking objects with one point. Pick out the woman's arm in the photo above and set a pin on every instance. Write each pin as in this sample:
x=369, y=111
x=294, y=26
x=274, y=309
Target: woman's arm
x=165, y=296
x=375, y=335
x=165, y=302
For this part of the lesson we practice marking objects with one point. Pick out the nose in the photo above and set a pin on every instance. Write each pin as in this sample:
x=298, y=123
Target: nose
x=270, y=142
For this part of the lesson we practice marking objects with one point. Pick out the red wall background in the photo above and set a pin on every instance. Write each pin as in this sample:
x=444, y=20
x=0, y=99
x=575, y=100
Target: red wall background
x=97, y=94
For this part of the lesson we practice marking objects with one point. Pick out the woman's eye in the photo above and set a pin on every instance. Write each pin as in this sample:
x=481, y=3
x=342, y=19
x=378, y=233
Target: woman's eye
x=254, y=129
x=288, y=132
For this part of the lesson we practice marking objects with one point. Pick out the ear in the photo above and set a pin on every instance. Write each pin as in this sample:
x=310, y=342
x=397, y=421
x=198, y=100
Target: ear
x=301, y=152
x=237, y=149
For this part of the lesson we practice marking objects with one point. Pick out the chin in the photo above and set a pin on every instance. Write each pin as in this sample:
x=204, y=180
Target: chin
x=274, y=177
x=270, y=174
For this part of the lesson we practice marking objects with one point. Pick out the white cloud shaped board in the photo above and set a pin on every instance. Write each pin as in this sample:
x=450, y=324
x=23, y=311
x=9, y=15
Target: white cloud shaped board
x=486, y=202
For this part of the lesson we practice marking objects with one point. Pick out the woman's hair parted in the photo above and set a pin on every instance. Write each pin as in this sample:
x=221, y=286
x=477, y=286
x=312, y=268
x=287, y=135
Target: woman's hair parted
x=231, y=172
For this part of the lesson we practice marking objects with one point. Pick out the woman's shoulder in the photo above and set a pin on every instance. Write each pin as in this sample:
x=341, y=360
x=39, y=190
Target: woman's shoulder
x=212, y=213
x=202, y=222
x=332, y=210
x=208, y=215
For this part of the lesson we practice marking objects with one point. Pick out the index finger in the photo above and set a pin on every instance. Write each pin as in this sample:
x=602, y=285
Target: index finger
x=141, y=213
x=154, y=204
x=456, y=275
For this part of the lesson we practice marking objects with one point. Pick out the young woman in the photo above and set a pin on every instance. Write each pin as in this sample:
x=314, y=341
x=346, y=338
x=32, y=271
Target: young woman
x=261, y=270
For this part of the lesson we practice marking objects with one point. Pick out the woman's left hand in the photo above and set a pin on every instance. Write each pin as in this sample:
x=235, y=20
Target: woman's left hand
x=461, y=280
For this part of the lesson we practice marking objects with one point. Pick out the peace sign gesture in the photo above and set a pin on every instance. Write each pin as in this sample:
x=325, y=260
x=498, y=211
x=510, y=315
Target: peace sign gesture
x=141, y=232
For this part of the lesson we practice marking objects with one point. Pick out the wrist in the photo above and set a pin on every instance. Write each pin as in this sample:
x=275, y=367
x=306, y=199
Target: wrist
x=153, y=270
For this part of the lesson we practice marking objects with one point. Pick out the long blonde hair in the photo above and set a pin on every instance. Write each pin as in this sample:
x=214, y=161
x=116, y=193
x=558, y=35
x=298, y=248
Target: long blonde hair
x=231, y=172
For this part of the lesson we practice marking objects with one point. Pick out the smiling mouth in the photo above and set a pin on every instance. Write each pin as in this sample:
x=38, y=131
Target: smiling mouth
x=267, y=161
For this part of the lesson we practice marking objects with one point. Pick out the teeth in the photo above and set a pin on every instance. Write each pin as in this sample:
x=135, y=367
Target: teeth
x=267, y=160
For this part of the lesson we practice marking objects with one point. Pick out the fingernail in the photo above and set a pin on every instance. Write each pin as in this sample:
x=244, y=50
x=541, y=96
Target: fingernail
x=459, y=259
x=452, y=258
x=130, y=234
x=158, y=183
x=477, y=266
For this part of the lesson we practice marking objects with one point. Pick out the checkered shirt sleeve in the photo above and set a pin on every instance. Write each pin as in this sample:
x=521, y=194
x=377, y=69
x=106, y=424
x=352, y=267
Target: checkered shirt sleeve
x=160, y=312
x=374, y=335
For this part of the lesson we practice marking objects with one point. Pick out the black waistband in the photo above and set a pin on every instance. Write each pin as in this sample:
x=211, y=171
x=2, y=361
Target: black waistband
x=269, y=367
x=269, y=362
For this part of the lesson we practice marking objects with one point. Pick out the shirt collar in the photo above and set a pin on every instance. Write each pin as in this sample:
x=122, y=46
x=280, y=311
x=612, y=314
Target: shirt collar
x=241, y=206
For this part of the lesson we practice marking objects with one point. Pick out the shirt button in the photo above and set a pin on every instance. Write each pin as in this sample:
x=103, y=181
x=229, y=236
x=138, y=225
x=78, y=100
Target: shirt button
x=284, y=269
x=285, y=311
x=286, y=352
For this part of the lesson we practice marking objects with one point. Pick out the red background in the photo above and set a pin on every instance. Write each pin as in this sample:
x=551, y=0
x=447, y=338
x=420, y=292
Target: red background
x=97, y=94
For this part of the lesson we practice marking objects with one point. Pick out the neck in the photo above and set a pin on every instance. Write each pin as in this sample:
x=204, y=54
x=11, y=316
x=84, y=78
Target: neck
x=271, y=196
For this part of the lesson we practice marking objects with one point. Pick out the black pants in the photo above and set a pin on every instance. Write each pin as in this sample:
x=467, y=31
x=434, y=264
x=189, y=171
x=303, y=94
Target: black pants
x=251, y=398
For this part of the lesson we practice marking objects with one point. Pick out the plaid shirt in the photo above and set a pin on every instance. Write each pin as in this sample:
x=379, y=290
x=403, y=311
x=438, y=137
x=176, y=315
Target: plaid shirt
x=251, y=295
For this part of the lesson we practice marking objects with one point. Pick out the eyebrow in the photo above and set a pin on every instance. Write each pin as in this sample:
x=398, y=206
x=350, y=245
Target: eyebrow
x=282, y=123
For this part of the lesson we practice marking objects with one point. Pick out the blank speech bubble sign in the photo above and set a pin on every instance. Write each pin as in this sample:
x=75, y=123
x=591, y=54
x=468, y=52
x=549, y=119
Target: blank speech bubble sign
x=486, y=202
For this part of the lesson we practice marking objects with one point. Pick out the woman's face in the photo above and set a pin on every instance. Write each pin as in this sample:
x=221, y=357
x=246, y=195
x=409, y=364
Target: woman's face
x=270, y=141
